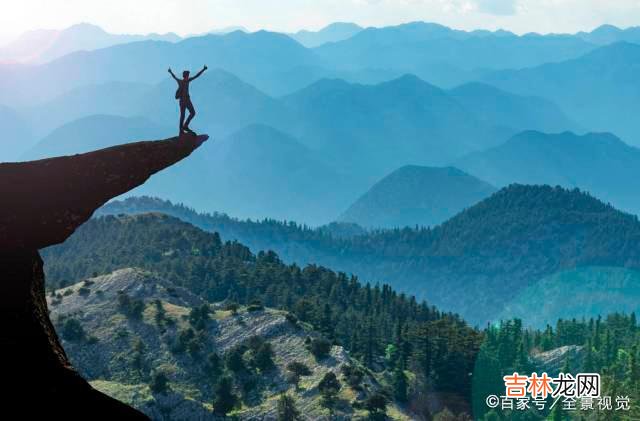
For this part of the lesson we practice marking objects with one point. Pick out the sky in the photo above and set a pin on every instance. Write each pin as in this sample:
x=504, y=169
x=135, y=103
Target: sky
x=196, y=16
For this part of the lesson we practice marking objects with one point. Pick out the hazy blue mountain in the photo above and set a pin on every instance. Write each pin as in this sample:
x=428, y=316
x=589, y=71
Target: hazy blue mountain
x=259, y=58
x=334, y=32
x=112, y=98
x=228, y=30
x=96, y=132
x=376, y=129
x=45, y=45
x=445, y=56
x=416, y=196
x=597, y=162
x=28, y=46
x=600, y=90
x=256, y=172
x=609, y=34
x=594, y=291
x=16, y=135
x=504, y=109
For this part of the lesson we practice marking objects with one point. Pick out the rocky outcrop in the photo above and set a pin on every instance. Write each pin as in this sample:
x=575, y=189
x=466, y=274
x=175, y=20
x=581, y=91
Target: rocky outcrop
x=43, y=202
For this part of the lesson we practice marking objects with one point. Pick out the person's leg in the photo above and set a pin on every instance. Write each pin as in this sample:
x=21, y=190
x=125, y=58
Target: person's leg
x=182, y=108
x=192, y=113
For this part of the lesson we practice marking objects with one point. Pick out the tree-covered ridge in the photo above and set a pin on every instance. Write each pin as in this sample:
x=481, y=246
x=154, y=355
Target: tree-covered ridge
x=474, y=263
x=376, y=324
x=609, y=346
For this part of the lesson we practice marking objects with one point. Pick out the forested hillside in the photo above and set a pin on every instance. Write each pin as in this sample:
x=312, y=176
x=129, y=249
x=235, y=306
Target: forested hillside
x=422, y=355
x=477, y=262
x=438, y=348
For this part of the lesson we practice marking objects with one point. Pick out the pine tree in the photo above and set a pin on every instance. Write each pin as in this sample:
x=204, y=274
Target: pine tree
x=286, y=410
x=263, y=359
x=329, y=387
x=159, y=383
x=224, y=400
x=234, y=360
x=399, y=383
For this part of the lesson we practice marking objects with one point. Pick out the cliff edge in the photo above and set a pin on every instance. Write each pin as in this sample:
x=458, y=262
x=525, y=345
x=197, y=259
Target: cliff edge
x=43, y=203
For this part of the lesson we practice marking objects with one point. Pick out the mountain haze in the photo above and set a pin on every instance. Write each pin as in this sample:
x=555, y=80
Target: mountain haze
x=597, y=162
x=600, y=90
x=414, y=195
x=17, y=136
x=453, y=56
x=41, y=46
x=95, y=132
x=334, y=32
x=254, y=172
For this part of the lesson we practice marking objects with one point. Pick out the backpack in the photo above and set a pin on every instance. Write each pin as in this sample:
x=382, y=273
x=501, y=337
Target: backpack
x=179, y=92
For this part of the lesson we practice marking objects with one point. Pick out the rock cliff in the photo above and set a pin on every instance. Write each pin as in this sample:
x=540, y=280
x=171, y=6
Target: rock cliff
x=44, y=202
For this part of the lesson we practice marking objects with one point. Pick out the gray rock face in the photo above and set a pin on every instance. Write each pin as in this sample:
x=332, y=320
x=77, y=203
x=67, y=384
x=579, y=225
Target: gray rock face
x=552, y=361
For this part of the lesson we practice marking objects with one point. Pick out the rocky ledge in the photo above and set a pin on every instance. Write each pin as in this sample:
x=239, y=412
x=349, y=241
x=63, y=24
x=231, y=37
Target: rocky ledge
x=43, y=203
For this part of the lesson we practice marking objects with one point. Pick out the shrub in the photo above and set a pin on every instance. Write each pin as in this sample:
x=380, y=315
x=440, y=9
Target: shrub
x=376, y=404
x=72, y=330
x=255, y=305
x=329, y=387
x=224, y=400
x=286, y=409
x=263, y=358
x=232, y=306
x=159, y=383
x=130, y=307
x=320, y=348
x=234, y=361
x=295, y=370
x=291, y=318
x=353, y=376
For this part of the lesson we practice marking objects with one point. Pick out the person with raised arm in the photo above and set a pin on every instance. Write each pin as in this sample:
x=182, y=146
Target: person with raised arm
x=182, y=94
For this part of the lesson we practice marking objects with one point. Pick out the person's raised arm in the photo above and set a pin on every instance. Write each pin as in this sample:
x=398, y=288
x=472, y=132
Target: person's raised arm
x=199, y=73
x=172, y=75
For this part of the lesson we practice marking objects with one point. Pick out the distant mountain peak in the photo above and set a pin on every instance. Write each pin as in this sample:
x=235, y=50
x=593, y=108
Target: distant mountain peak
x=416, y=195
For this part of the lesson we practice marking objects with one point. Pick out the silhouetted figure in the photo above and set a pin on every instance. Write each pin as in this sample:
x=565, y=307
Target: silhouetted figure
x=182, y=94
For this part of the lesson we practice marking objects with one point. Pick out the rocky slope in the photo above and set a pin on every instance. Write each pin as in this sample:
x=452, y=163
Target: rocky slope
x=43, y=203
x=119, y=351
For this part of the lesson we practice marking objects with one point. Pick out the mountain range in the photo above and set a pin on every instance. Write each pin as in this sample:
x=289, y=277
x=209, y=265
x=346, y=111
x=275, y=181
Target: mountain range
x=356, y=133
x=421, y=116
x=453, y=57
x=337, y=31
x=260, y=58
x=599, y=90
x=41, y=46
x=596, y=162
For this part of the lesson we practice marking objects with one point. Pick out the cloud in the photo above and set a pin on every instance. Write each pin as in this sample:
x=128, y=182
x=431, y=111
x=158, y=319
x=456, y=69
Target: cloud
x=498, y=7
